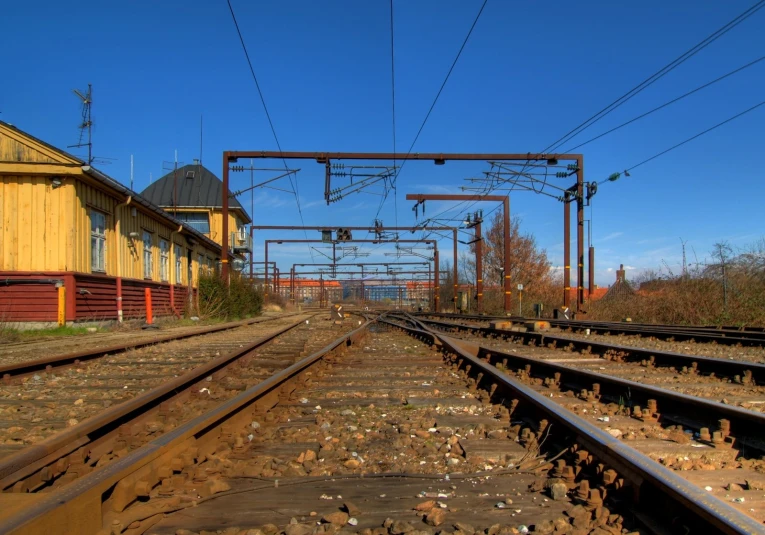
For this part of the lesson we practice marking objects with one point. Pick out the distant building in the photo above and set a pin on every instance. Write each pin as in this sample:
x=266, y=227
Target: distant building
x=64, y=224
x=309, y=290
x=194, y=195
x=621, y=289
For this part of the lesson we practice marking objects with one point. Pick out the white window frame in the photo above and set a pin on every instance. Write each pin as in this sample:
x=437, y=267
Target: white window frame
x=178, y=264
x=97, y=242
x=148, y=255
x=164, y=260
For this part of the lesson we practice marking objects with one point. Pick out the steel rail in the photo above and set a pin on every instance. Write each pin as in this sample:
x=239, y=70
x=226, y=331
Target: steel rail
x=722, y=335
x=647, y=476
x=707, y=365
x=29, y=367
x=21, y=470
x=79, y=507
x=748, y=424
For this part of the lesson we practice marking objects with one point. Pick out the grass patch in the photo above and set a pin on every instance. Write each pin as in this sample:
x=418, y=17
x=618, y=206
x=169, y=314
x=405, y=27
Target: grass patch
x=16, y=335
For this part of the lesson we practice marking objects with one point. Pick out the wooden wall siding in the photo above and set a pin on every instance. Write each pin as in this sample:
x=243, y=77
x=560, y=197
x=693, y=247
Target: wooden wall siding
x=90, y=198
x=12, y=149
x=36, y=221
x=47, y=229
x=89, y=298
x=28, y=303
x=99, y=303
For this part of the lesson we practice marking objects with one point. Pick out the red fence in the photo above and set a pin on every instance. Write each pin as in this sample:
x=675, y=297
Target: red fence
x=89, y=297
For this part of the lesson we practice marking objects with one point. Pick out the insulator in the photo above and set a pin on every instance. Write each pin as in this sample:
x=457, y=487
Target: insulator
x=561, y=174
x=572, y=167
x=237, y=168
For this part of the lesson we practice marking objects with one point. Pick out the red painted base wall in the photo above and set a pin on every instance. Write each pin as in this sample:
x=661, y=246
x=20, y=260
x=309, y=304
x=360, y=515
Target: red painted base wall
x=89, y=297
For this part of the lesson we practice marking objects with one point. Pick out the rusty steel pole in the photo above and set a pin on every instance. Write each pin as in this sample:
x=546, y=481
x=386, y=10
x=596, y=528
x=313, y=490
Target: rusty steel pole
x=580, y=234
x=479, y=267
x=265, y=276
x=292, y=285
x=224, y=244
x=456, y=275
x=436, y=282
x=591, y=282
x=430, y=290
x=504, y=199
x=566, y=249
x=506, y=268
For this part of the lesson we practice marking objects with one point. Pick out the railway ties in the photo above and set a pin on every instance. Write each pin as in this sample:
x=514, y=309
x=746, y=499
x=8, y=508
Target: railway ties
x=113, y=433
x=389, y=432
x=34, y=406
x=716, y=446
x=725, y=336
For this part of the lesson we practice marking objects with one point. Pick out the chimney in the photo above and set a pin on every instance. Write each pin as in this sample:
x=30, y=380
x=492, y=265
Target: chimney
x=620, y=274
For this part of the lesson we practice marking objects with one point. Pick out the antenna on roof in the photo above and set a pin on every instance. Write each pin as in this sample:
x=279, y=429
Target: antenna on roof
x=131, y=172
x=87, y=123
x=201, y=117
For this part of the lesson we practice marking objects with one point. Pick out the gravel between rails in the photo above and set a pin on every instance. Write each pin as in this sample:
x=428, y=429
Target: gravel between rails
x=35, y=407
x=328, y=460
x=14, y=352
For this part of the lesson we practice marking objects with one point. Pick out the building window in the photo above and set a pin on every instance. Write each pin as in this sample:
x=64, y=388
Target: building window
x=97, y=241
x=200, y=263
x=197, y=220
x=178, y=265
x=148, y=262
x=164, y=260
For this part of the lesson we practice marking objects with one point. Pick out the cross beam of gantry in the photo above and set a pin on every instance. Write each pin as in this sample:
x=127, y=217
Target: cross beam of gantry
x=426, y=228
x=428, y=241
x=326, y=158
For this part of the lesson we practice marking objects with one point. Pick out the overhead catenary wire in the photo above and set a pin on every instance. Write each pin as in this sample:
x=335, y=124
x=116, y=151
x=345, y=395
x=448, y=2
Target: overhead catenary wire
x=294, y=185
x=435, y=100
x=676, y=99
x=393, y=111
x=656, y=76
x=673, y=147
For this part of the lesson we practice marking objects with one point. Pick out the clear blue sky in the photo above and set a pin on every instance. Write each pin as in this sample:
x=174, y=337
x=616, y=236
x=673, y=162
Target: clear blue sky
x=530, y=73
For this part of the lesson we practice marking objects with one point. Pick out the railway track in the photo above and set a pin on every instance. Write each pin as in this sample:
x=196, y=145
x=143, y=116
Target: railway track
x=41, y=397
x=112, y=433
x=374, y=434
x=743, y=370
x=752, y=336
x=717, y=446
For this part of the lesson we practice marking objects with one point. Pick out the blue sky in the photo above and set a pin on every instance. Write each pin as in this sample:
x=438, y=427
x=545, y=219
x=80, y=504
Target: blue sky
x=529, y=73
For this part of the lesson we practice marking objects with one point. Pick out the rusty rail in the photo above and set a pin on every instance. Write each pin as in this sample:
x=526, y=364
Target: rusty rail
x=704, y=334
x=29, y=367
x=31, y=466
x=95, y=501
x=701, y=364
x=654, y=484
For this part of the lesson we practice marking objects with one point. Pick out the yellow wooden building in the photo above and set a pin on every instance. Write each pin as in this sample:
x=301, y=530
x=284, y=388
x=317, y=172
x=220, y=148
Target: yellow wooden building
x=65, y=224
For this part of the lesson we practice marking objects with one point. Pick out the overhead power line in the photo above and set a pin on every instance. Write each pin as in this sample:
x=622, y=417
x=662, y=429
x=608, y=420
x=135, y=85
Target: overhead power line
x=657, y=75
x=393, y=109
x=615, y=176
x=697, y=135
x=294, y=185
x=432, y=106
x=440, y=90
x=689, y=93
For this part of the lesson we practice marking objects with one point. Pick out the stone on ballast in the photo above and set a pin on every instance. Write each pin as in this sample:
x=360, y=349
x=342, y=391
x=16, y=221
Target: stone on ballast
x=338, y=518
